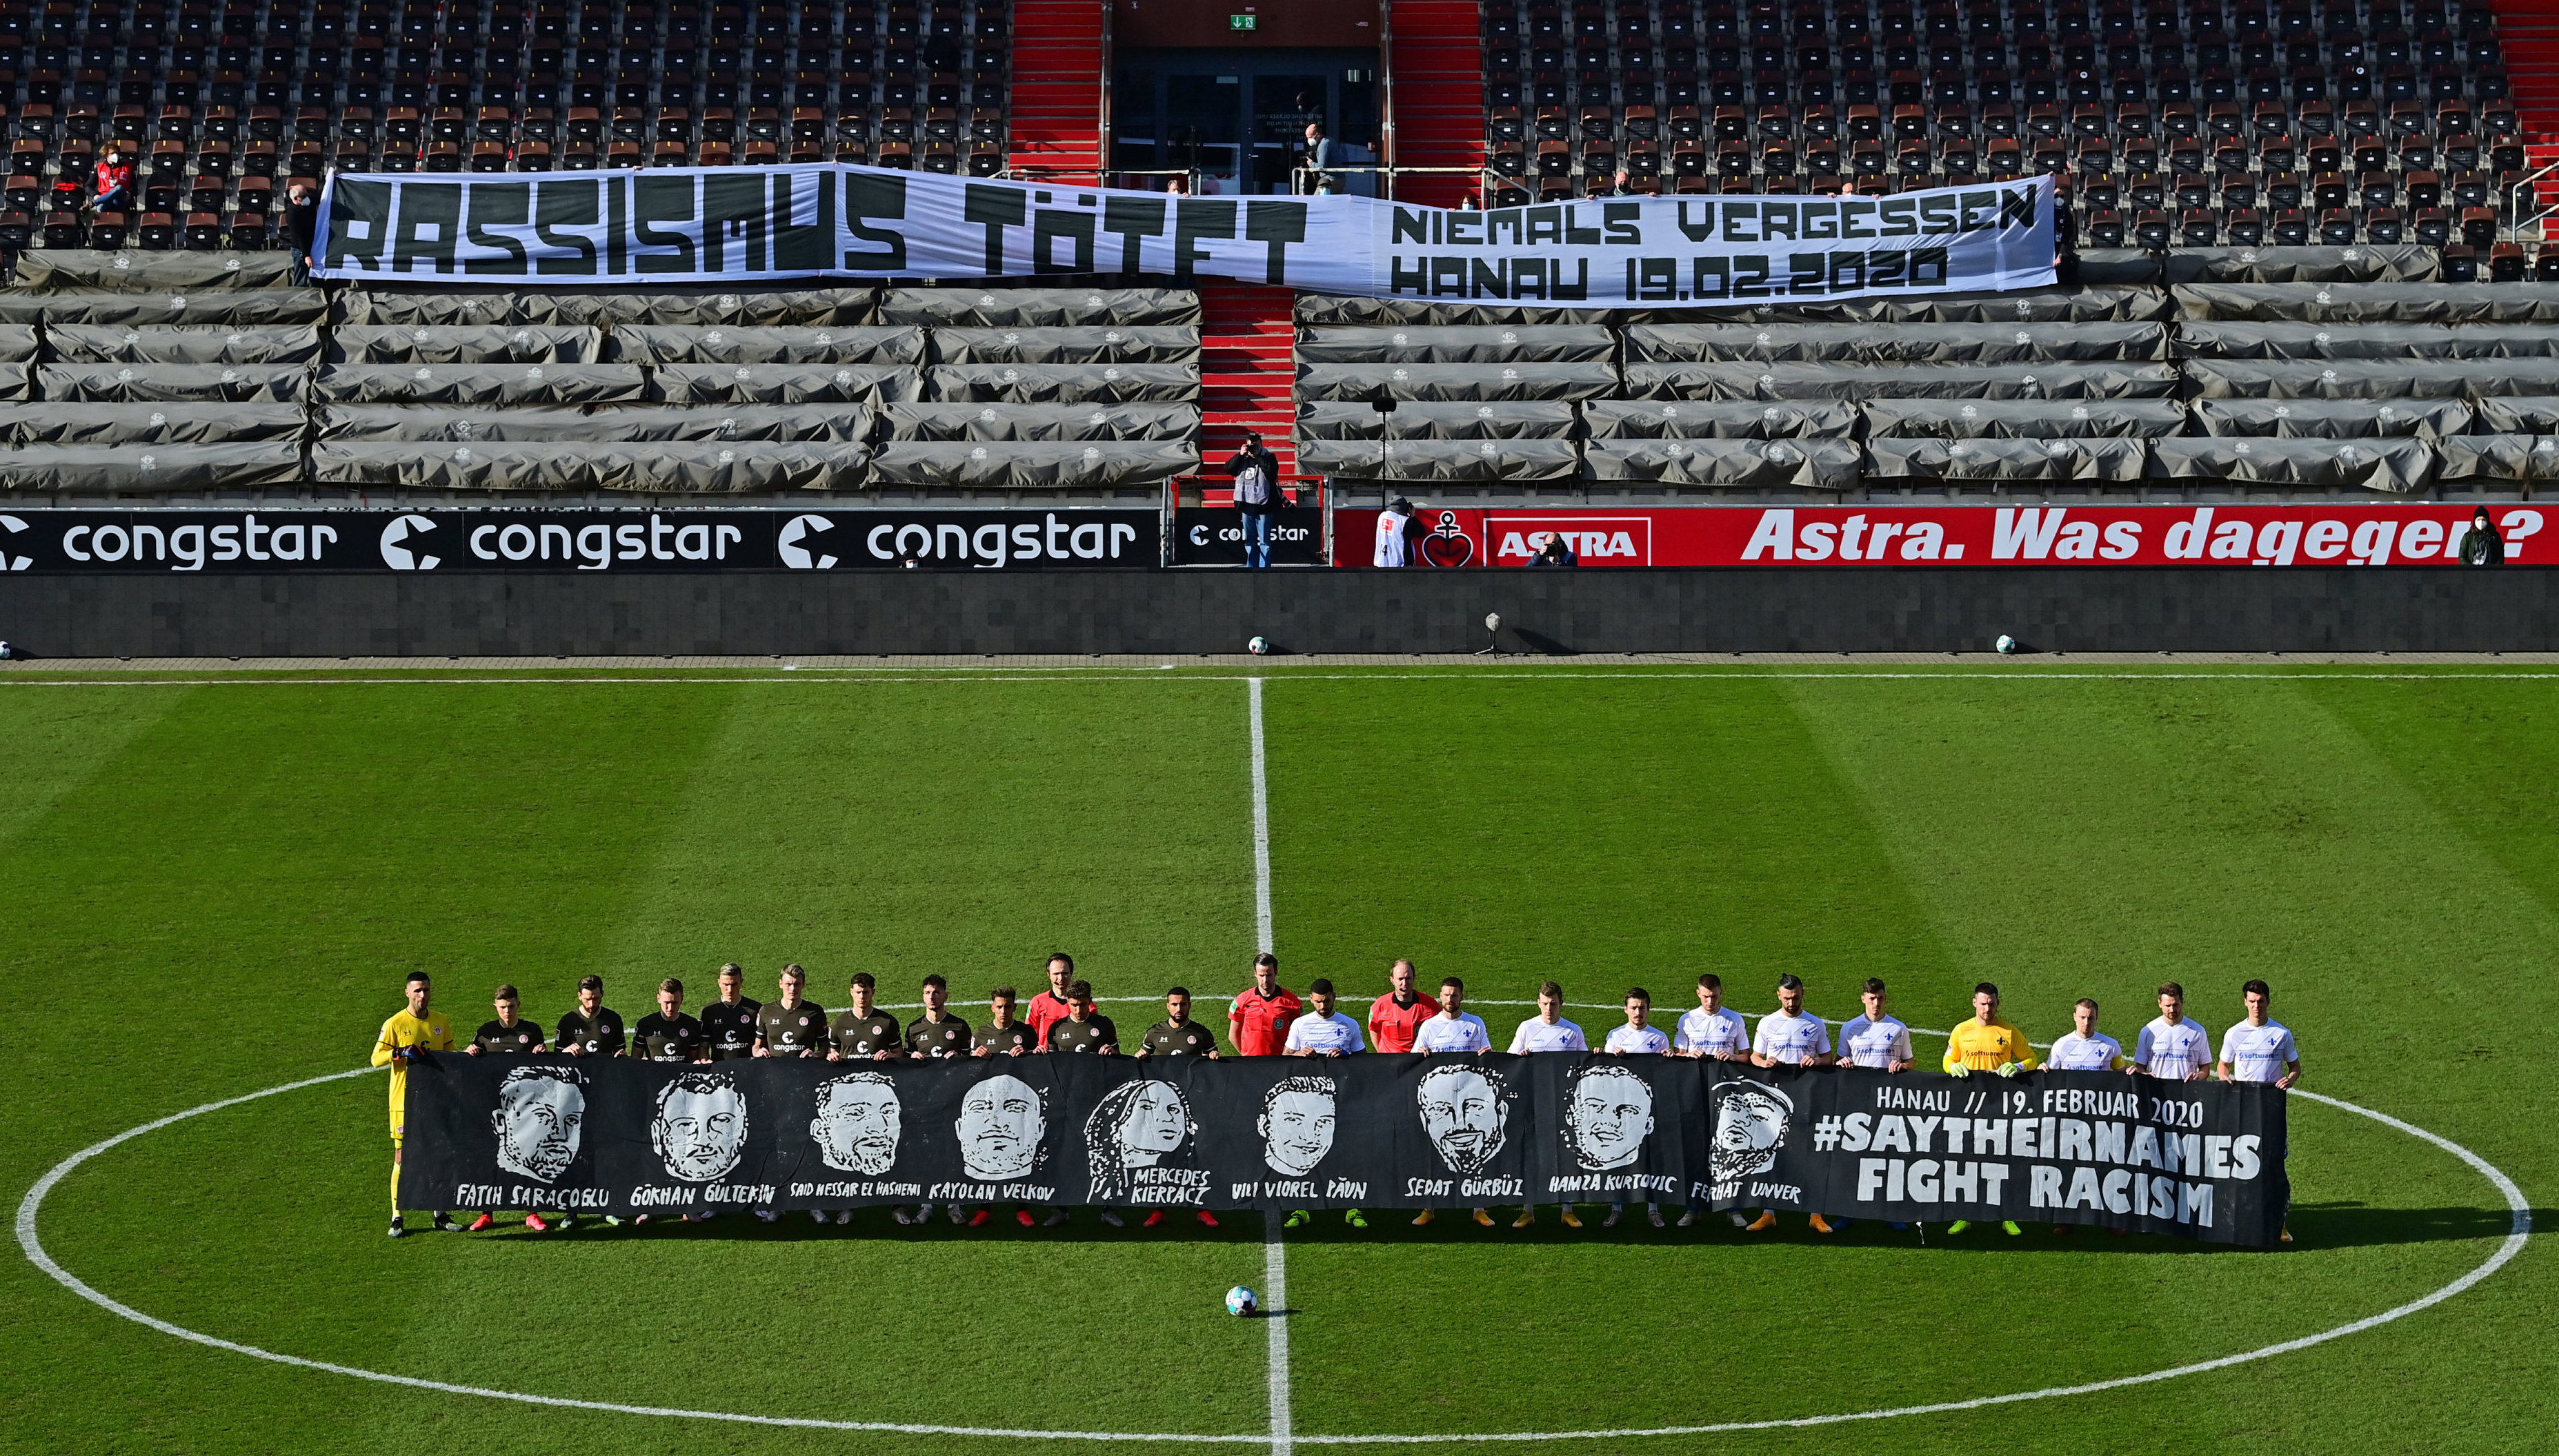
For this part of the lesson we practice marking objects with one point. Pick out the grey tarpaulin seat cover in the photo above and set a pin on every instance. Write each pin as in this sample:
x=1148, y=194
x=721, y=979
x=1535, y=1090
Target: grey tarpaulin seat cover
x=133, y=469
x=1820, y=464
x=2371, y=379
x=1506, y=419
x=17, y=343
x=1042, y=422
x=479, y=384
x=766, y=344
x=1932, y=381
x=1037, y=308
x=776, y=384
x=1177, y=344
x=1442, y=460
x=1455, y=382
x=149, y=424
x=2373, y=303
x=2393, y=464
x=1896, y=343
x=848, y=305
x=1717, y=419
x=606, y=425
x=466, y=344
x=1440, y=344
x=1323, y=308
x=1028, y=384
x=2021, y=419
x=2111, y=458
x=1031, y=465
x=2519, y=414
x=2497, y=458
x=213, y=306
x=2258, y=338
x=265, y=344
x=2362, y=262
x=2033, y=306
x=659, y=467
x=153, y=381
x=73, y=270
x=2119, y=267
x=2333, y=419
x=16, y=380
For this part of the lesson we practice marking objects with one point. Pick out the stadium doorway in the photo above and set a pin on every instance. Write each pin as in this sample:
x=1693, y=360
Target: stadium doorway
x=1235, y=121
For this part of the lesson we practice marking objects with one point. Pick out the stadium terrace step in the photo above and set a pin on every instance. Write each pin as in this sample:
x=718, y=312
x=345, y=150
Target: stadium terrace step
x=1057, y=89
x=1436, y=71
x=1247, y=376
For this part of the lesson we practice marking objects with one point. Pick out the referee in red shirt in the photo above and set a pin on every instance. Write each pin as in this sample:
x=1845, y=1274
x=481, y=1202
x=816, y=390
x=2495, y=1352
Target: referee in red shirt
x=1051, y=1006
x=1394, y=1018
x=1258, y=1022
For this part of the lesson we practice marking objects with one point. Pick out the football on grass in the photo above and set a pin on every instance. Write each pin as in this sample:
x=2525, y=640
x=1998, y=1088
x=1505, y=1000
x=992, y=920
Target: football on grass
x=1241, y=1302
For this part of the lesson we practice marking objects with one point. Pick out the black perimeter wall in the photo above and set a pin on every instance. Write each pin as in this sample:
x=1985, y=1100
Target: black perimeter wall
x=2367, y=609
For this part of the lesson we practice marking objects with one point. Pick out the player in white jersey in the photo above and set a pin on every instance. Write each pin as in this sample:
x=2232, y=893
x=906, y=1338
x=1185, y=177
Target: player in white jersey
x=1876, y=1040
x=1637, y=1038
x=2085, y=1048
x=1452, y=1029
x=1787, y=1037
x=1455, y=1029
x=1547, y=1031
x=1322, y=1031
x=1713, y=1030
x=2176, y=1047
x=2261, y=1049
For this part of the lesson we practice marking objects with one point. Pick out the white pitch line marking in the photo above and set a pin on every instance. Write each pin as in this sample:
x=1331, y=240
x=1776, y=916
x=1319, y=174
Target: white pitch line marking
x=1274, y=1253
x=2519, y=1231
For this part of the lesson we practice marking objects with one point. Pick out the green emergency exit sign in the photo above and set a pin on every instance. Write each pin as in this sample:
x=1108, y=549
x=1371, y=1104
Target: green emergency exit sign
x=1244, y=22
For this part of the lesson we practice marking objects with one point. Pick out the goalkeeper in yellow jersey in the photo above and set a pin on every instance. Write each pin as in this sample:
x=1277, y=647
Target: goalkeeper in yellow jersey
x=1987, y=1043
x=409, y=1032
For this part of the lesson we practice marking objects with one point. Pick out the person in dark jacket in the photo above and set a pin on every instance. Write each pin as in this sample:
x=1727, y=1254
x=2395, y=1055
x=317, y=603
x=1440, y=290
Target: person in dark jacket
x=2483, y=546
x=1556, y=553
x=302, y=228
x=1256, y=495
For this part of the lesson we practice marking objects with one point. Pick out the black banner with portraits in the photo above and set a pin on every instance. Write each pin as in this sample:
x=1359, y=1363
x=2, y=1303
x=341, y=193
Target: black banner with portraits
x=2195, y=1160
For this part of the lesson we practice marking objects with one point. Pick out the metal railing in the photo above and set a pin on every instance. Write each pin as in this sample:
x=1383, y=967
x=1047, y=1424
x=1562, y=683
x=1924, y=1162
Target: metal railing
x=1299, y=176
x=2513, y=230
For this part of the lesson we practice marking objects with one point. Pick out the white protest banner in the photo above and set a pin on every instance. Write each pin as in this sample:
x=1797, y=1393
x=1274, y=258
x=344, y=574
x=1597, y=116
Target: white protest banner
x=742, y=224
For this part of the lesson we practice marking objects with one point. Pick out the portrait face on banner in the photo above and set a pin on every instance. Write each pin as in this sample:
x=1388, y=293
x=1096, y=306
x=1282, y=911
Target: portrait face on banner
x=1002, y=1122
x=700, y=1128
x=540, y=1113
x=858, y=1122
x=1749, y=1129
x=1137, y=1125
x=1297, y=1124
x=1609, y=1112
x=1466, y=1113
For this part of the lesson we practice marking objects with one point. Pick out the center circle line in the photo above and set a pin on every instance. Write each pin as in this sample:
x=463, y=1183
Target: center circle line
x=2519, y=1231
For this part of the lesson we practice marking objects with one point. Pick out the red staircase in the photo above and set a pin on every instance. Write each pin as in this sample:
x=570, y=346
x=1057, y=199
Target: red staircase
x=1436, y=74
x=1248, y=376
x=1057, y=89
x=2527, y=37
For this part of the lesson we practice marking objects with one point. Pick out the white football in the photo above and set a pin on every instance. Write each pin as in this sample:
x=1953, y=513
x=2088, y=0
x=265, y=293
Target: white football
x=1257, y=647
x=1241, y=1302
x=2006, y=644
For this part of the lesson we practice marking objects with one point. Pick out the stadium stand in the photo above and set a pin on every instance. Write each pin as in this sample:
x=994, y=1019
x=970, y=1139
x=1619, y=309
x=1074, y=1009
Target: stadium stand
x=224, y=101
x=2257, y=122
x=1065, y=395
x=2264, y=375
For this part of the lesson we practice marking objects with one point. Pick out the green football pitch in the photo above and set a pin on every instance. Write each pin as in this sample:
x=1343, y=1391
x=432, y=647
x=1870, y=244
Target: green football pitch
x=216, y=884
